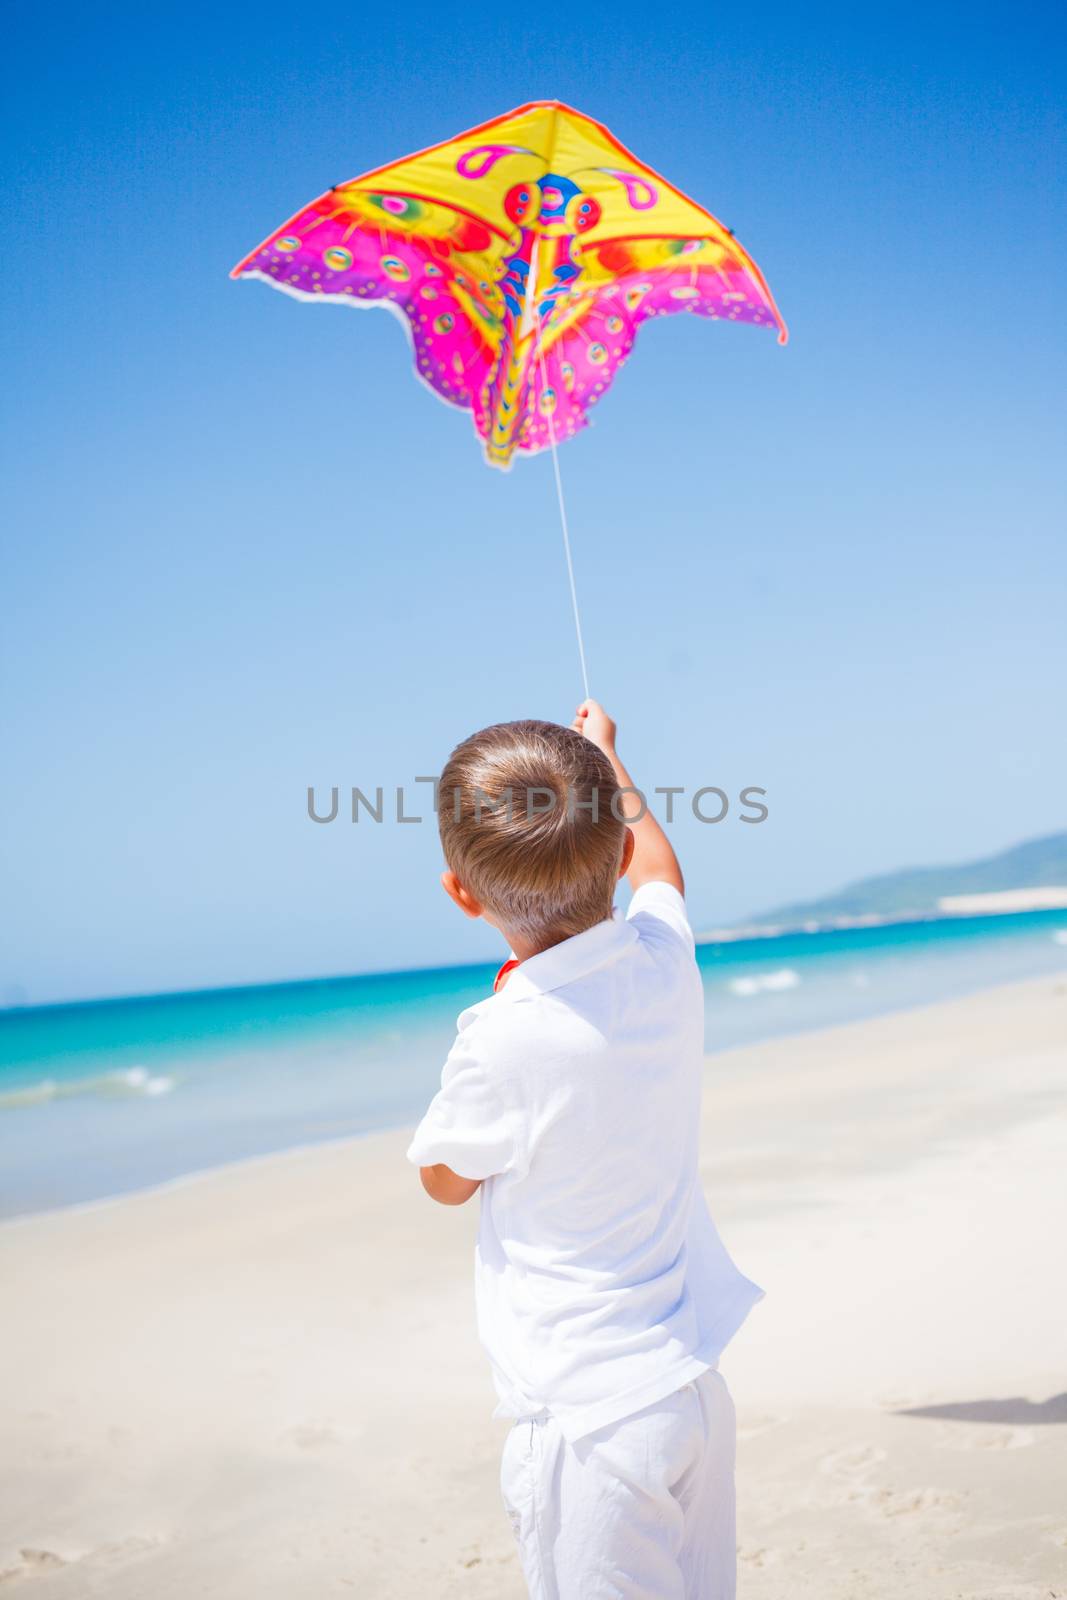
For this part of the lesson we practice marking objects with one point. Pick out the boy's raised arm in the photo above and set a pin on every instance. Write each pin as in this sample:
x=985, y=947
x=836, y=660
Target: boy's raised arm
x=653, y=860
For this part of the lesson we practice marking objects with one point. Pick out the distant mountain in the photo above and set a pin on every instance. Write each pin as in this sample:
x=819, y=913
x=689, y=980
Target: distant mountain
x=1037, y=864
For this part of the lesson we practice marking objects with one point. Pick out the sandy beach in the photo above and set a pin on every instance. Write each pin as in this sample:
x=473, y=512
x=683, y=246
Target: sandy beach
x=265, y=1381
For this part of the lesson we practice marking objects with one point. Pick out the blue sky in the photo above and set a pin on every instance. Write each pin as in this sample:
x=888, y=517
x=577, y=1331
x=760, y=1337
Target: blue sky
x=246, y=551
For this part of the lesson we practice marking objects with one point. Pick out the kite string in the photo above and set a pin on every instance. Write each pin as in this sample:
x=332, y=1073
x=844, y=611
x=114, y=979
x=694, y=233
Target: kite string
x=562, y=510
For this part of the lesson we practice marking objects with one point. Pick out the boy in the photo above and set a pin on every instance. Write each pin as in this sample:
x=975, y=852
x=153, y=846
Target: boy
x=571, y=1097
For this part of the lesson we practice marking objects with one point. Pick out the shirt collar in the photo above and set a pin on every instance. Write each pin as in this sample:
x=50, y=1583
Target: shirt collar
x=571, y=959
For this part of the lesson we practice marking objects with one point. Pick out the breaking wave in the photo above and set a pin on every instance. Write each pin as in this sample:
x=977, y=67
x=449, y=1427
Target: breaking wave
x=133, y=1081
x=765, y=983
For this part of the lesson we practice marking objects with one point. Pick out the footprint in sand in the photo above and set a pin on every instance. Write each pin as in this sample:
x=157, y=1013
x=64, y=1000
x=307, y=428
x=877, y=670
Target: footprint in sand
x=988, y=1438
x=36, y=1561
x=750, y=1427
x=32, y=1563
x=43, y=1560
x=852, y=1460
x=759, y=1558
x=909, y=1502
x=851, y=1469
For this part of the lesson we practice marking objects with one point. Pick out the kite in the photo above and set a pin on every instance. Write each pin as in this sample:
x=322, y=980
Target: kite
x=523, y=255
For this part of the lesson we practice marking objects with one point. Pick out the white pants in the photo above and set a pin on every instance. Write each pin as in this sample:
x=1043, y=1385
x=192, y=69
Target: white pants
x=641, y=1510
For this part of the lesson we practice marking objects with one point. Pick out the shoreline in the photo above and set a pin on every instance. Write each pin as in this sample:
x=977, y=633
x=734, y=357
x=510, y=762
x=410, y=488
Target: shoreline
x=395, y=1129
x=953, y=909
x=749, y=932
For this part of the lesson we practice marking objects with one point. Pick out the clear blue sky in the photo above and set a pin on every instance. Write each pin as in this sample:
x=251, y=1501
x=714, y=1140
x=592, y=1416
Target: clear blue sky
x=246, y=551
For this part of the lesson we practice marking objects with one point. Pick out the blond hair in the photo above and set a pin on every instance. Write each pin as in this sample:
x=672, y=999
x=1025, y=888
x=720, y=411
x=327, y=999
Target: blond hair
x=531, y=824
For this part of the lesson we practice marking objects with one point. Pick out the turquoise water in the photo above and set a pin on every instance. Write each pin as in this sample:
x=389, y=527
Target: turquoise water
x=107, y=1096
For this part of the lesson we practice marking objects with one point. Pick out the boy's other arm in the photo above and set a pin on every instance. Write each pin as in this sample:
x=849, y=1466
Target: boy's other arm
x=446, y=1186
x=653, y=860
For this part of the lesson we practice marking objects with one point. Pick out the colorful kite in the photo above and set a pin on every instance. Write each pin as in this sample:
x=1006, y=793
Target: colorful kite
x=524, y=256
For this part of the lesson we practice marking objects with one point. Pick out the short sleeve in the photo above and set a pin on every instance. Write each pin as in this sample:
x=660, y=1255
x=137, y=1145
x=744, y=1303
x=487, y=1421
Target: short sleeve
x=662, y=902
x=469, y=1126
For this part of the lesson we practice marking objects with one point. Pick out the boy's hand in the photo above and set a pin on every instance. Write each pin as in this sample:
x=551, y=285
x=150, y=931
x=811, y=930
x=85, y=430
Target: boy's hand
x=592, y=720
x=653, y=860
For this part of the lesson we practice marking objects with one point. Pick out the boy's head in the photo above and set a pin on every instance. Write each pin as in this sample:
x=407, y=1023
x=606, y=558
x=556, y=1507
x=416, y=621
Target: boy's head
x=532, y=830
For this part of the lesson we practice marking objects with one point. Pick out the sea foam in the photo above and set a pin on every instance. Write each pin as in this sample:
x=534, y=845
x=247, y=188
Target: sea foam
x=765, y=983
x=132, y=1081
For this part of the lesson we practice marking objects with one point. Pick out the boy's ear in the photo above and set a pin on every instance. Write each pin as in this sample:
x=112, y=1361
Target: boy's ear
x=627, y=853
x=455, y=891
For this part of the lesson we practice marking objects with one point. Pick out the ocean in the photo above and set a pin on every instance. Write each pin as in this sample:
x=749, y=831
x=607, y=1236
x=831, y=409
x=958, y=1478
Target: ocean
x=102, y=1097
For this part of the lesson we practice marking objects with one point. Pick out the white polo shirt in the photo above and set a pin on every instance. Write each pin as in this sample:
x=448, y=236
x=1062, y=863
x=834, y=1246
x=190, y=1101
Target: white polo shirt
x=601, y=1282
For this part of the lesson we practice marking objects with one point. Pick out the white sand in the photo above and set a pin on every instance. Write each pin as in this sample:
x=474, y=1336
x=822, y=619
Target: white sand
x=265, y=1382
x=998, y=901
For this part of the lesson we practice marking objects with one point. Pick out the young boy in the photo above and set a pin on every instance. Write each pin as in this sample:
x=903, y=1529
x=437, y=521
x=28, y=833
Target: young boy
x=571, y=1097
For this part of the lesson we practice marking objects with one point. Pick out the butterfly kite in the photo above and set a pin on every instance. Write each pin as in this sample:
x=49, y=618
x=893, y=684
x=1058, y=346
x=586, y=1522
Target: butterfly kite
x=524, y=256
